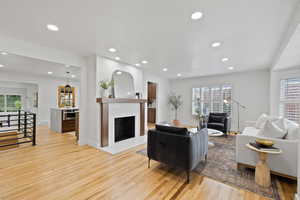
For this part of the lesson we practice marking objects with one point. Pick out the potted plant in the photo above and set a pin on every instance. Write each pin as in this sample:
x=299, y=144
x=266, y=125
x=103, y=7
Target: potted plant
x=105, y=85
x=175, y=102
x=199, y=116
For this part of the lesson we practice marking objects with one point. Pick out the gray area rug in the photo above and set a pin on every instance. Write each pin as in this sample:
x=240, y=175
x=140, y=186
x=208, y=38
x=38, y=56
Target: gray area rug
x=221, y=166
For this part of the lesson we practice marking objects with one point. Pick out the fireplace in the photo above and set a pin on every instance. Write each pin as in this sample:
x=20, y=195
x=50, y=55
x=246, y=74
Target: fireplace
x=124, y=128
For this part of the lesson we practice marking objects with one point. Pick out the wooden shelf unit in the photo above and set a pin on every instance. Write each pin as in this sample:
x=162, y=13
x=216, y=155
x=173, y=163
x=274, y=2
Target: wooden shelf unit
x=64, y=99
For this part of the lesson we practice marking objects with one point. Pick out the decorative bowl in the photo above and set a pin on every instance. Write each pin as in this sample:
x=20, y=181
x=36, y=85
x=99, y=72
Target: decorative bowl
x=264, y=142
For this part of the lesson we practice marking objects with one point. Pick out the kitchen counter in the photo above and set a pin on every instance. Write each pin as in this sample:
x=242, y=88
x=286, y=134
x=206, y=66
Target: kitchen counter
x=63, y=119
x=66, y=108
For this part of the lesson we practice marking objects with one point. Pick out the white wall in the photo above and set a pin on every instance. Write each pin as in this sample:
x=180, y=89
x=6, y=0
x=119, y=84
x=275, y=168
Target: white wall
x=249, y=88
x=47, y=89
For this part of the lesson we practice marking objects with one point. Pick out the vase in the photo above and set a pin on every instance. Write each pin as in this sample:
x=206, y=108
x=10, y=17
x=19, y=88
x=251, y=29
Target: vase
x=104, y=93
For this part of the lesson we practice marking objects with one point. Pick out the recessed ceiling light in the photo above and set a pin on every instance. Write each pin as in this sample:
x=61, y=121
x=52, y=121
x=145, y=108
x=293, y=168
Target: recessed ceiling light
x=119, y=72
x=231, y=68
x=113, y=50
x=216, y=44
x=137, y=64
x=144, y=61
x=52, y=27
x=225, y=59
x=178, y=74
x=73, y=76
x=4, y=53
x=50, y=72
x=1, y=65
x=196, y=15
x=165, y=69
x=117, y=58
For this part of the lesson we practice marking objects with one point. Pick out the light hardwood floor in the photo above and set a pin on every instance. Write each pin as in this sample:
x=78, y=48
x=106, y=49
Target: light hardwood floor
x=57, y=168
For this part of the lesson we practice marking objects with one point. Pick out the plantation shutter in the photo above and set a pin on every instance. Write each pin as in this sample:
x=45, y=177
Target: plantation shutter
x=216, y=100
x=205, y=100
x=211, y=99
x=227, y=92
x=289, y=106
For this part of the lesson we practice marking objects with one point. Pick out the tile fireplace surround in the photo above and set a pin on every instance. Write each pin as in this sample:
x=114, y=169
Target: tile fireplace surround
x=110, y=109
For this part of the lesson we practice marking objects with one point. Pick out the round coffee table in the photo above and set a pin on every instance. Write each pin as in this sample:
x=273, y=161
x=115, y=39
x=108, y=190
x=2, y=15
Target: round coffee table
x=262, y=170
x=214, y=132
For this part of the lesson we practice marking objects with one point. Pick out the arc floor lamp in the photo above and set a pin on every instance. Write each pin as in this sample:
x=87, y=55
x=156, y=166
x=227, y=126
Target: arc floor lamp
x=239, y=105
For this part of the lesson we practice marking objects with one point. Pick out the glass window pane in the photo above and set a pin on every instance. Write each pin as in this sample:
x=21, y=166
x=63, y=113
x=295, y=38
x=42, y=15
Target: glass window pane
x=2, y=103
x=11, y=102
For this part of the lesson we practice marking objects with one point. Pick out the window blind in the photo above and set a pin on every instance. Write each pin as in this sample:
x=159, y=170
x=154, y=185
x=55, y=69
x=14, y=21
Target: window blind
x=289, y=106
x=211, y=99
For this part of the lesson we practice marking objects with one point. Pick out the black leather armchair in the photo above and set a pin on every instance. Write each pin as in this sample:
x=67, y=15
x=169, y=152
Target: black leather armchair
x=219, y=121
x=177, y=147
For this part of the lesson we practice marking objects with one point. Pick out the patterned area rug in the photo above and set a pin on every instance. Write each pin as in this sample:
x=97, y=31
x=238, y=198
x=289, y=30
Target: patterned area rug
x=221, y=166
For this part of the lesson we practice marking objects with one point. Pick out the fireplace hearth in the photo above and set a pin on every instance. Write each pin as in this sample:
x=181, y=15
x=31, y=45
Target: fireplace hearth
x=124, y=128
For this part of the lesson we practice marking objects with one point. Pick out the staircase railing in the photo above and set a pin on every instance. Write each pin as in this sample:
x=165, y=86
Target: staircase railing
x=21, y=122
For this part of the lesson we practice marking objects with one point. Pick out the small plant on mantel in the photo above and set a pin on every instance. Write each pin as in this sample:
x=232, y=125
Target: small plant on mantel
x=175, y=101
x=105, y=85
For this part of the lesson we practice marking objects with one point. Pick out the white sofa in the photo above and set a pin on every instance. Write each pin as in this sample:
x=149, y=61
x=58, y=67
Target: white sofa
x=284, y=164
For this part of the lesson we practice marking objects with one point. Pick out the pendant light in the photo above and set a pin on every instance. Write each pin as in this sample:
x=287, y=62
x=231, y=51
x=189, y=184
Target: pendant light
x=68, y=88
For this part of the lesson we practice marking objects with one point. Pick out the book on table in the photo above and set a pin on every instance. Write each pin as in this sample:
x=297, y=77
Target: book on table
x=264, y=148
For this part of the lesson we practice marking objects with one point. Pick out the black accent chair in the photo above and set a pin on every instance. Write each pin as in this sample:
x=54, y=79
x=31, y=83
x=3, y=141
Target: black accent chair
x=219, y=121
x=177, y=147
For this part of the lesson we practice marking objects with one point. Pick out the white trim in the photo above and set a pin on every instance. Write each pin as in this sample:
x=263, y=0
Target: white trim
x=43, y=123
x=81, y=142
x=94, y=144
x=296, y=196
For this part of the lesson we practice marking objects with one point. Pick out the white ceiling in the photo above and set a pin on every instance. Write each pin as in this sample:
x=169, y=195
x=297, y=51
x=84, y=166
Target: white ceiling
x=15, y=63
x=158, y=31
x=290, y=56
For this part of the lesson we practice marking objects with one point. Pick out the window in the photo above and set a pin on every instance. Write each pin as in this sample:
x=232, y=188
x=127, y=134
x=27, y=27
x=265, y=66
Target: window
x=289, y=106
x=211, y=99
x=2, y=103
x=7, y=103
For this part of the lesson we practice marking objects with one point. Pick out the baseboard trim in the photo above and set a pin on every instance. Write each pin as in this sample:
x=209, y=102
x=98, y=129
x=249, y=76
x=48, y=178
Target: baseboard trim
x=43, y=123
x=94, y=144
x=82, y=142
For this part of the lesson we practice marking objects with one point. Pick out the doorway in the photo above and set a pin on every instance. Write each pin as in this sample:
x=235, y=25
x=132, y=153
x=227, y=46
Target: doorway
x=152, y=102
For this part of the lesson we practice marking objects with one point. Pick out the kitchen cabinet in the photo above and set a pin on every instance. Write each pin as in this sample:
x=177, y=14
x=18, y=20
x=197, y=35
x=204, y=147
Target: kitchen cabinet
x=151, y=91
x=63, y=120
x=152, y=115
